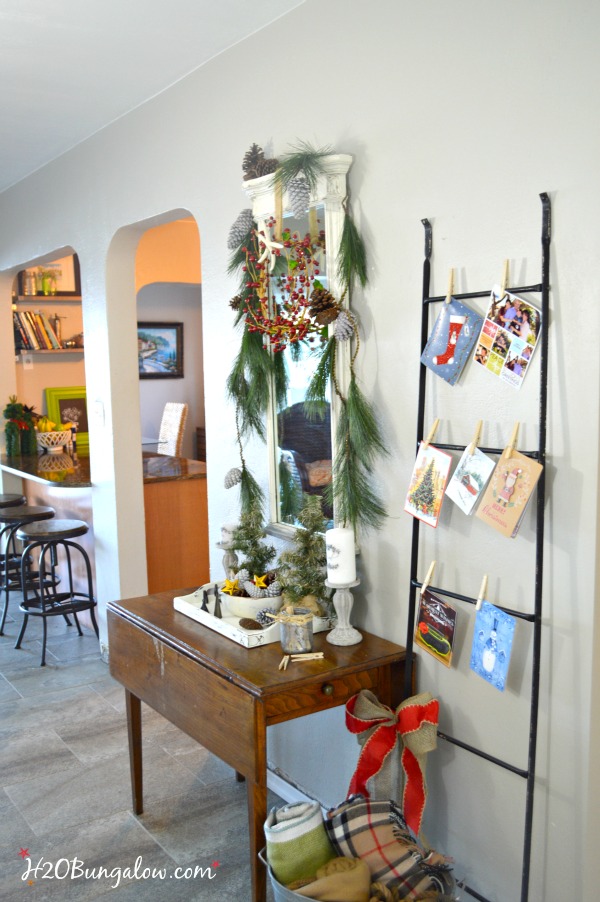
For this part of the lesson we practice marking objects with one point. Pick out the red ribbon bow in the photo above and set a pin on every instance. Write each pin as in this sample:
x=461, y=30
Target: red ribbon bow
x=415, y=721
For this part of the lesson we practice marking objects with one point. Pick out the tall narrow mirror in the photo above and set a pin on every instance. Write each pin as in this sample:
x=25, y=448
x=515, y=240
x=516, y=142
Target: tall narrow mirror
x=301, y=438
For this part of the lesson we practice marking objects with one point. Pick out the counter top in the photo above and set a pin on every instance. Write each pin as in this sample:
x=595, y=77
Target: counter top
x=162, y=468
x=75, y=472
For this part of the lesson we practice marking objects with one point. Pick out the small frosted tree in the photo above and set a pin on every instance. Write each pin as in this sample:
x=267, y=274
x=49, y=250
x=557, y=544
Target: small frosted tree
x=302, y=569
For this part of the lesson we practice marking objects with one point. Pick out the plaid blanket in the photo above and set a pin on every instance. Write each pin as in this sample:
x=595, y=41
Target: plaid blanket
x=376, y=832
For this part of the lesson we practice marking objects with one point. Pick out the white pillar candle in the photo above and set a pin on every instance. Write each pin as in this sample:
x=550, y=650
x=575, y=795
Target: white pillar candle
x=341, y=561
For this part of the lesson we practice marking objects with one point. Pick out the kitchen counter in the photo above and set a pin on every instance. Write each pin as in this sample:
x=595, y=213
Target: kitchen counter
x=175, y=509
x=76, y=472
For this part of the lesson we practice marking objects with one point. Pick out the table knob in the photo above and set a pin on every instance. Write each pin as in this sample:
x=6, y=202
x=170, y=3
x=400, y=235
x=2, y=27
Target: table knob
x=327, y=689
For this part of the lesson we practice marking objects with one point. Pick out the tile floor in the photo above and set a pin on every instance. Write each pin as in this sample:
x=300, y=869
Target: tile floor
x=65, y=791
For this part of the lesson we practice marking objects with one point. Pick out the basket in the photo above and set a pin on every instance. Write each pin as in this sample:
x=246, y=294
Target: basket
x=53, y=442
x=280, y=892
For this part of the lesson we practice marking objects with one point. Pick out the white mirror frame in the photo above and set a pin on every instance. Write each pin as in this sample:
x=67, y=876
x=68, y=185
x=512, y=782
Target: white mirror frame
x=331, y=191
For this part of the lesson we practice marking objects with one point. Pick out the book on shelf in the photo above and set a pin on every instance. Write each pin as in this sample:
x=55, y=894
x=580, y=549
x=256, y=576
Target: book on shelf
x=31, y=334
x=41, y=331
x=21, y=339
x=34, y=331
x=51, y=333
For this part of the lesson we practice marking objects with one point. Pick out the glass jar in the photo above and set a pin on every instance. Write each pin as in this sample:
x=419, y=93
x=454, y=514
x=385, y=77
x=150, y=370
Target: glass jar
x=297, y=632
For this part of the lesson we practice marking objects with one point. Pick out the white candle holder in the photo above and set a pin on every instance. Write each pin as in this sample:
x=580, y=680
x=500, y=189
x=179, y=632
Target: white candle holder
x=230, y=559
x=343, y=633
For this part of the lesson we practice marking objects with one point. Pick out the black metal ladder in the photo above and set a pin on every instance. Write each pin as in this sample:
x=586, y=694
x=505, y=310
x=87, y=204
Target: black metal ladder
x=539, y=454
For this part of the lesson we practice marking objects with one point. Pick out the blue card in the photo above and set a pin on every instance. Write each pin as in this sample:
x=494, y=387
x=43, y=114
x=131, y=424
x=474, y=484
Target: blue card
x=453, y=338
x=492, y=644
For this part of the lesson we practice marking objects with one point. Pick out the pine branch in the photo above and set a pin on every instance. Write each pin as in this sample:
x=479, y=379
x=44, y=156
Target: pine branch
x=251, y=494
x=304, y=161
x=352, y=492
x=238, y=256
x=352, y=256
x=316, y=393
x=357, y=503
x=363, y=430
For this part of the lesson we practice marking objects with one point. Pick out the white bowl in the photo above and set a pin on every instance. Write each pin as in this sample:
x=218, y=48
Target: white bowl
x=53, y=442
x=249, y=607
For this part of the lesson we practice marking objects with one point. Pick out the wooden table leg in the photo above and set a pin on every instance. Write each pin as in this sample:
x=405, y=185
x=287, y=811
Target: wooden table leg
x=256, y=788
x=134, y=733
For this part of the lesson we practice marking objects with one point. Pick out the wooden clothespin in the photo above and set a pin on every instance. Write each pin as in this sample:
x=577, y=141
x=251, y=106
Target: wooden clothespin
x=450, y=291
x=482, y=592
x=284, y=662
x=432, y=433
x=278, y=229
x=475, y=439
x=428, y=578
x=513, y=441
x=308, y=656
x=505, y=276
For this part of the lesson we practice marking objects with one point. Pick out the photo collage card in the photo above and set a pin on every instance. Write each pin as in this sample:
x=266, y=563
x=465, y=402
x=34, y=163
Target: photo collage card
x=508, y=338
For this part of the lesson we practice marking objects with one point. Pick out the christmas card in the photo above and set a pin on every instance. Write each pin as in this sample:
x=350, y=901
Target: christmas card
x=427, y=484
x=509, y=335
x=470, y=479
x=452, y=340
x=492, y=644
x=434, y=631
x=508, y=492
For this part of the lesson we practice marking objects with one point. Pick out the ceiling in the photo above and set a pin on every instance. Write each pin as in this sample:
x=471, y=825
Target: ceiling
x=70, y=67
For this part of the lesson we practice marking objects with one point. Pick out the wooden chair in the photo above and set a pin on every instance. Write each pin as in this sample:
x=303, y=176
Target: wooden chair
x=172, y=427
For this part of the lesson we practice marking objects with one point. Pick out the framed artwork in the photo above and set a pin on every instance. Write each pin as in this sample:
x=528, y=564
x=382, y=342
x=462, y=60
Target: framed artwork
x=60, y=278
x=160, y=350
x=70, y=405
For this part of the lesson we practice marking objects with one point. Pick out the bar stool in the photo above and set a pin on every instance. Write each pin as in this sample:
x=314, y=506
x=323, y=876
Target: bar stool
x=11, y=519
x=49, y=539
x=12, y=500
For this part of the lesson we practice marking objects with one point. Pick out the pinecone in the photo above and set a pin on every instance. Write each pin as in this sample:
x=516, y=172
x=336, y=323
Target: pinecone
x=252, y=158
x=232, y=477
x=240, y=229
x=299, y=195
x=265, y=167
x=263, y=618
x=254, y=591
x=274, y=589
x=236, y=302
x=323, y=306
x=344, y=327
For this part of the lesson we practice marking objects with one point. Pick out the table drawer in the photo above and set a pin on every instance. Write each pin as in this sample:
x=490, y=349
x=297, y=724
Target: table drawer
x=321, y=695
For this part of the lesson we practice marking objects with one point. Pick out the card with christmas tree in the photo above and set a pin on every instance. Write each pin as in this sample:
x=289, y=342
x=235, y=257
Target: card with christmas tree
x=508, y=492
x=470, y=479
x=427, y=483
x=452, y=339
x=492, y=644
x=434, y=631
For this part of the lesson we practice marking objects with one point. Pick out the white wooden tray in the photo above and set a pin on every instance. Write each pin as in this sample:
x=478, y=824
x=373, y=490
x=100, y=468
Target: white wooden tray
x=228, y=624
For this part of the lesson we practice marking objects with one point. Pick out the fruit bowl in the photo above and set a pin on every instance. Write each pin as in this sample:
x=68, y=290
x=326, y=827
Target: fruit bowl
x=53, y=442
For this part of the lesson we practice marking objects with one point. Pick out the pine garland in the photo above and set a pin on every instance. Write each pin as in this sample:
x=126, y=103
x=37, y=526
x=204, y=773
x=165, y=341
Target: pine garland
x=358, y=439
x=352, y=257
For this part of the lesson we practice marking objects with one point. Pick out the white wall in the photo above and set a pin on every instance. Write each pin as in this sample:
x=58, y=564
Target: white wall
x=463, y=113
x=174, y=302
